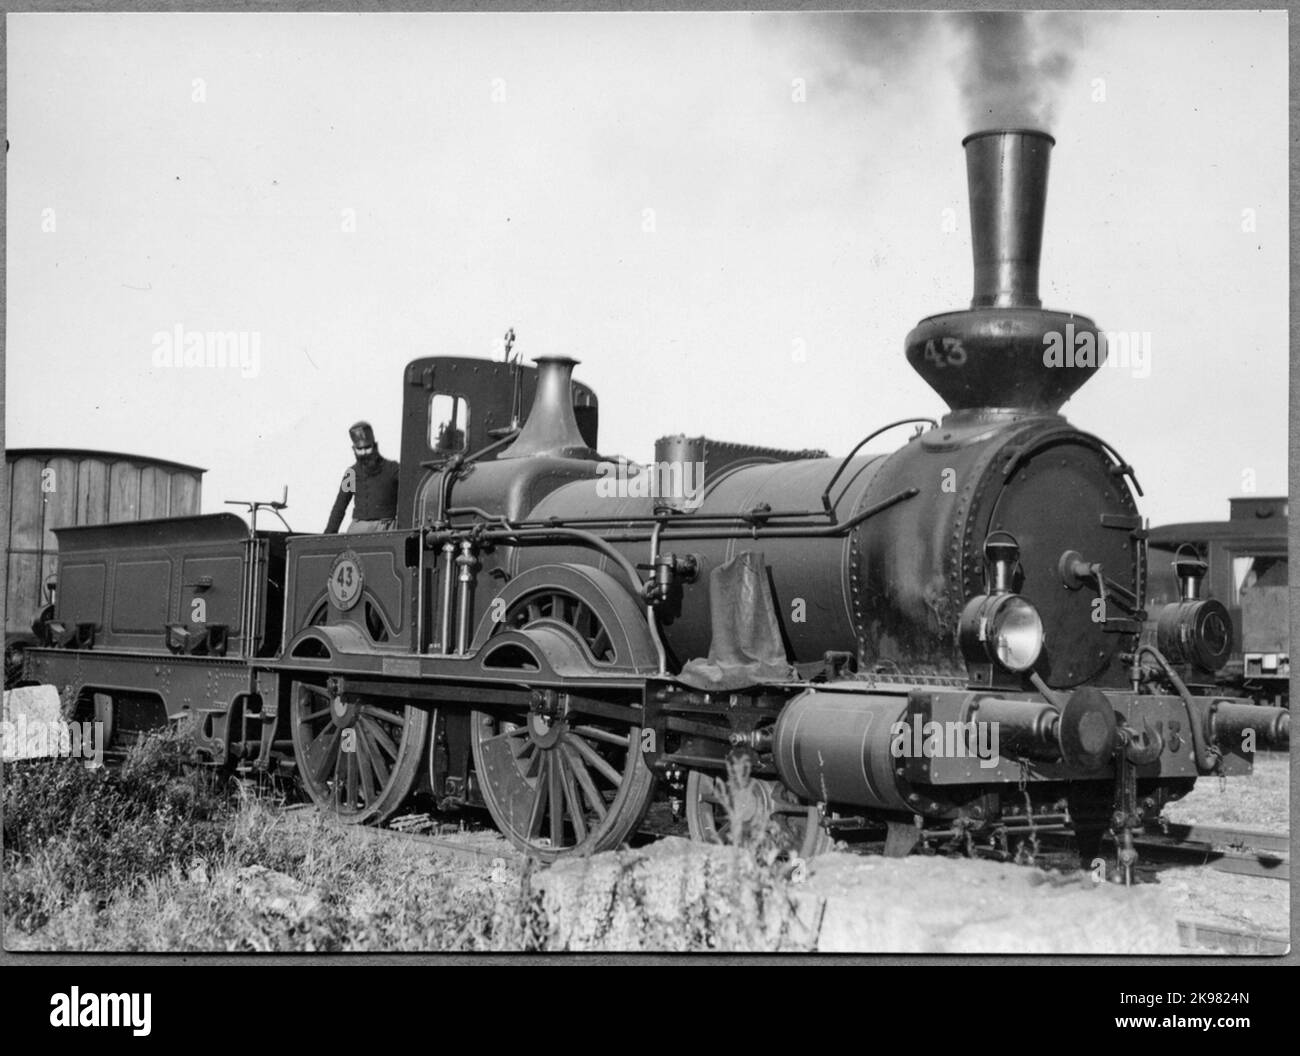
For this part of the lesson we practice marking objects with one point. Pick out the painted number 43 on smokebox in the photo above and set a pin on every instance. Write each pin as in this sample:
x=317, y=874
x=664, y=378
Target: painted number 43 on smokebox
x=946, y=352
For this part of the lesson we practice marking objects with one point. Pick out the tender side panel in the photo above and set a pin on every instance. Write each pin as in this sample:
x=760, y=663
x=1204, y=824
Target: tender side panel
x=134, y=580
x=141, y=600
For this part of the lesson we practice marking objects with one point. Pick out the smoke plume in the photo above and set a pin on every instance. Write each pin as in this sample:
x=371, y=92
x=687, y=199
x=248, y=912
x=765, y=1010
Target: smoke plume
x=1011, y=67
x=1014, y=66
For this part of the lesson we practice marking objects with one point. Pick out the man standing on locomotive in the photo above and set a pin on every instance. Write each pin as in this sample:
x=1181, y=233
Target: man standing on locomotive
x=373, y=482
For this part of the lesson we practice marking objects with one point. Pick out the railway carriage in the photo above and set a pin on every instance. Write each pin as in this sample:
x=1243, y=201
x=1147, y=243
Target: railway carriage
x=766, y=637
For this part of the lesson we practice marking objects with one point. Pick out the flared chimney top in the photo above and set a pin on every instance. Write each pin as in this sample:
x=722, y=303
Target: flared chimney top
x=1006, y=352
x=551, y=427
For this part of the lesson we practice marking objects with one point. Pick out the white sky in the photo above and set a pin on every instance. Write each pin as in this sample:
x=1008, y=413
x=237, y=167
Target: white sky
x=777, y=225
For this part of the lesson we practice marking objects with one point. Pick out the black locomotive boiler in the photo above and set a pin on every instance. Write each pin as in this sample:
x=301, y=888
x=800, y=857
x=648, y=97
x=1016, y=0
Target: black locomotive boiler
x=947, y=636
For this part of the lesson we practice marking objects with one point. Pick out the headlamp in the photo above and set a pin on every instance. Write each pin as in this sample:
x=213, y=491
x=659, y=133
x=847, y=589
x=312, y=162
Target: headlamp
x=1195, y=631
x=1001, y=627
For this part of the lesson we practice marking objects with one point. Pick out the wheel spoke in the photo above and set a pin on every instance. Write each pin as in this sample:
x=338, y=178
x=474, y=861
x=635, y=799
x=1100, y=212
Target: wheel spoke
x=582, y=623
x=393, y=718
x=556, y=795
x=364, y=752
x=571, y=796
x=383, y=772
x=600, y=646
x=589, y=753
x=594, y=799
x=505, y=735
x=594, y=733
x=322, y=752
x=538, y=806
x=381, y=739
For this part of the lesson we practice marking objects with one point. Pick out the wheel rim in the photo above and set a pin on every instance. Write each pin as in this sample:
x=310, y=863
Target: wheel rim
x=358, y=757
x=553, y=606
x=556, y=780
x=756, y=807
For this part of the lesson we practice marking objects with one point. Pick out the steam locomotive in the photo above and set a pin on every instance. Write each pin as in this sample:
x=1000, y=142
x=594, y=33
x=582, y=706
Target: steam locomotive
x=945, y=637
x=1246, y=568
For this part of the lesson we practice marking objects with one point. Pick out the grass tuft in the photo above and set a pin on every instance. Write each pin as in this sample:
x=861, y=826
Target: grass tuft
x=163, y=855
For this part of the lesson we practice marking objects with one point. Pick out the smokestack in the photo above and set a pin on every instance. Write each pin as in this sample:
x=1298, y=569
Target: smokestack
x=551, y=427
x=1006, y=352
x=1006, y=171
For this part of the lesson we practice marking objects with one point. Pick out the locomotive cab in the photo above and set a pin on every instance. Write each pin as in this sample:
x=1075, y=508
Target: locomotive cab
x=456, y=406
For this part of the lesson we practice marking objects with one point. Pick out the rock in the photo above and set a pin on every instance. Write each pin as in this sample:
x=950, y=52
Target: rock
x=942, y=905
x=677, y=895
x=33, y=726
x=269, y=891
x=670, y=896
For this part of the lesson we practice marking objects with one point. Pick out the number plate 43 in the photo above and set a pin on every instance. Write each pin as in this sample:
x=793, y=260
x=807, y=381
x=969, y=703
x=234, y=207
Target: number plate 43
x=345, y=580
x=946, y=352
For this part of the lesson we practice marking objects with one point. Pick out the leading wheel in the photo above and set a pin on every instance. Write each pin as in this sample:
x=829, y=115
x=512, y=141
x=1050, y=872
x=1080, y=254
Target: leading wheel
x=565, y=775
x=358, y=757
x=747, y=810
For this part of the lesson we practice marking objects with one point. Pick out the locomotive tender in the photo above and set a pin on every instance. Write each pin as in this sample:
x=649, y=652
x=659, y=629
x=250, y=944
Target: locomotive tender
x=780, y=636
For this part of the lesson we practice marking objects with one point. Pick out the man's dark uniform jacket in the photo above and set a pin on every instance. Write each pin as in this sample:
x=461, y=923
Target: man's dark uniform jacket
x=374, y=482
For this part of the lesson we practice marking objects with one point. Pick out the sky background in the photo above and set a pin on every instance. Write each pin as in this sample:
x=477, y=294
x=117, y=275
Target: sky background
x=644, y=192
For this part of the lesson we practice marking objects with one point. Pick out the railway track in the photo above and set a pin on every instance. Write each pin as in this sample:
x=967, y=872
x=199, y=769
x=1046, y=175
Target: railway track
x=1241, y=851
x=1217, y=938
x=1247, y=852
x=475, y=846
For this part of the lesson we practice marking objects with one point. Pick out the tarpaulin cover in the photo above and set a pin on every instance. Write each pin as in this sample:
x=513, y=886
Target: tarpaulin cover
x=746, y=648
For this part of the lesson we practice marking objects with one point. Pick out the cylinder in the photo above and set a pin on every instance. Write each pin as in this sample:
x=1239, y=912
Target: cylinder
x=1006, y=170
x=835, y=748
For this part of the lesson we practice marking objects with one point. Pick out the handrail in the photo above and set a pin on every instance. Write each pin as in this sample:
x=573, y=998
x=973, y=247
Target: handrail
x=827, y=505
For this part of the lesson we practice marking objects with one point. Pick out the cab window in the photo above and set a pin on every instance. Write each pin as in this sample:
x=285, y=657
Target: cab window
x=448, y=423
